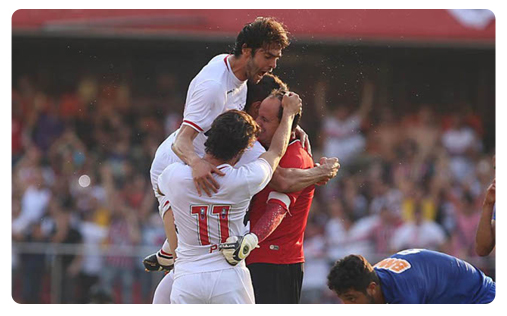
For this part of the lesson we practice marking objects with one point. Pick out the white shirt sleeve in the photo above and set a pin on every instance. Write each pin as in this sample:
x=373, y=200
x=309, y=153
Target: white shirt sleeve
x=251, y=154
x=256, y=175
x=204, y=104
x=164, y=179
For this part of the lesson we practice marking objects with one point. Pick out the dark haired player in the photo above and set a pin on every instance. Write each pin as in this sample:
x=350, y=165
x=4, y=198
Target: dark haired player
x=201, y=274
x=219, y=86
x=413, y=276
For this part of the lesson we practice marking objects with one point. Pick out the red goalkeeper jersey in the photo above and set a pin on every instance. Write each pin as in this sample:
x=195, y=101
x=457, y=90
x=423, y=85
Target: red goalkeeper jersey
x=285, y=244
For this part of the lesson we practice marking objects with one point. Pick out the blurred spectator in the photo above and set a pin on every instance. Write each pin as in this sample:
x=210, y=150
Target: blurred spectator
x=342, y=135
x=64, y=232
x=67, y=154
x=418, y=233
x=316, y=264
x=462, y=143
x=32, y=264
x=33, y=203
x=49, y=126
x=336, y=230
x=467, y=221
x=385, y=135
x=353, y=200
x=94, y=234
x=424, y=130
x=123, y=233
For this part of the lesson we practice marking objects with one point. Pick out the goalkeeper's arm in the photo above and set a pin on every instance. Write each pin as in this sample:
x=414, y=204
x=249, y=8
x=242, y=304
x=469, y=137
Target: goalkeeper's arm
x=237, y=248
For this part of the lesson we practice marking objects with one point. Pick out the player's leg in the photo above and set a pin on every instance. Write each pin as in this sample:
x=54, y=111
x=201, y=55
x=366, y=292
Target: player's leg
x=189, y=289
x=163, y=260
x=163, y=291
x=277, y=283
x=296, y=282
x=232, y=286
x=265, y=282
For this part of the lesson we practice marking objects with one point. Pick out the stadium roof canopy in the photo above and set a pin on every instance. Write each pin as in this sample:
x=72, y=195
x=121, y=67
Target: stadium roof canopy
x=469, y=27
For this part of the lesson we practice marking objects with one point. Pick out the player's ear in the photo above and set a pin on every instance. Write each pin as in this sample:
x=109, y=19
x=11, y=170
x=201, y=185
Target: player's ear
x=371, y=288
x=255, y=109
x=246, y=50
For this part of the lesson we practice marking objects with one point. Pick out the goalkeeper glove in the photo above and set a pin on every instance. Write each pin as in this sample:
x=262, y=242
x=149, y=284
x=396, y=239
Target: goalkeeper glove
x=237, y=248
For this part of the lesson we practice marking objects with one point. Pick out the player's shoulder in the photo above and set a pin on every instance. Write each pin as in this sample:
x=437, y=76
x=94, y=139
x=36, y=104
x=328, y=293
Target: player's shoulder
x=220, y=58
x=176, y=169
x=216, y=66
x=253, y=171
x=296, y=156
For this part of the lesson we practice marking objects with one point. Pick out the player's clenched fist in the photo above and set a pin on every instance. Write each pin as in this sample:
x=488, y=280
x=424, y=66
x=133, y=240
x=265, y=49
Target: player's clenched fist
x=237, y=248
x=291, y=103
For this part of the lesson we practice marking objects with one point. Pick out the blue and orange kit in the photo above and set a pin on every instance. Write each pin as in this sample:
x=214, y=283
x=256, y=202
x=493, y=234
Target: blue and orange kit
x=419, y=276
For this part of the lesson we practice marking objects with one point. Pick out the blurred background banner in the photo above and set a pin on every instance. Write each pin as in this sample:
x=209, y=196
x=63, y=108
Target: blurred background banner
x=429, y=26
x=405, y=99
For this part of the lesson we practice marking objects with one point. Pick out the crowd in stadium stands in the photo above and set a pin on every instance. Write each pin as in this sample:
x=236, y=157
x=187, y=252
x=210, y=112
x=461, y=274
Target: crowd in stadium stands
x=412, y=180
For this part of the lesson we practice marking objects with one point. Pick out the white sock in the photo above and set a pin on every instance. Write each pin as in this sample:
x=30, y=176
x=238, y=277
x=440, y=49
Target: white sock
x=164, y=255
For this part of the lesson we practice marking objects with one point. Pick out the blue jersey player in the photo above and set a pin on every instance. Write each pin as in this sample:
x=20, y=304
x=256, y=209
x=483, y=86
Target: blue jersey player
x=414, y=276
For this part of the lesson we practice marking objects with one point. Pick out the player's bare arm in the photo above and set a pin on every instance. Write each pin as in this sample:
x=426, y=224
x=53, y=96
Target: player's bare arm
x=485, y=237
x=294, y=179
x=291, y=104
x=172, y=238
x=201, y=169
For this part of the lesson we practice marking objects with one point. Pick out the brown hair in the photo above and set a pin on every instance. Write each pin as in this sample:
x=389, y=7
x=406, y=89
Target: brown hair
x=263, y=32
x=261, y=90
x=231, y=133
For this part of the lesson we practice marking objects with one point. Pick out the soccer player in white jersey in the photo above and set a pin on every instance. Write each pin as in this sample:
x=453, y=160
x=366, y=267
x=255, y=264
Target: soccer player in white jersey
x=219, y=86
x=201, y=273
x=284, y=180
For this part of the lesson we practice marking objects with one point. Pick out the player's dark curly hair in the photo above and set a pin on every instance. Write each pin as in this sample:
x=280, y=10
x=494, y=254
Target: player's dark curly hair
x=231, y=133
x=263, y=32
x=261, y=90
x=352, y=272
x=279, y=95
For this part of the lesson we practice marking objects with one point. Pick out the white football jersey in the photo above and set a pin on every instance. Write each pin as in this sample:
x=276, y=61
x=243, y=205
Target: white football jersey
x=251, y=154
x=212, y=92
x=203, y=222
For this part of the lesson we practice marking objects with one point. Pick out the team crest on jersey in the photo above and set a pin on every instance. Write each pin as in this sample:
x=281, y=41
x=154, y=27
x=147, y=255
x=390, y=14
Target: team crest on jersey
x=395, y=265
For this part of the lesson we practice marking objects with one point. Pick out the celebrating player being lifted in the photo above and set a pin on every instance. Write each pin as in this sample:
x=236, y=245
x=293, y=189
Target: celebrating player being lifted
x=413, y=276
x=220, y=86
x=201, y=273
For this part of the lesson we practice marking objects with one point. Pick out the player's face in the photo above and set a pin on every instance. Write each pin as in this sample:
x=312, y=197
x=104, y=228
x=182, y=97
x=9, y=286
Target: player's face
x=356, y=297
x=268, y=120
x=263, y=61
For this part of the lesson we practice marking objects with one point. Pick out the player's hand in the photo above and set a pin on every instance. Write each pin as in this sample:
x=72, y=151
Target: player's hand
x=491, y=193
x=151, y=264
x=237, y=248
x=329, y=167
x=291, y=103
x=203, y=178
x=305, y=140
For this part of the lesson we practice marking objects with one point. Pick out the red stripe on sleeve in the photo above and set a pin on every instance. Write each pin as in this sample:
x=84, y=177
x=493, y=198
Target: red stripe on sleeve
x=193, y=125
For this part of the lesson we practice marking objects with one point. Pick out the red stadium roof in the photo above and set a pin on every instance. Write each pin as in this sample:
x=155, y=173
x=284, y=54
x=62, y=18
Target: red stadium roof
x=455, y=26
